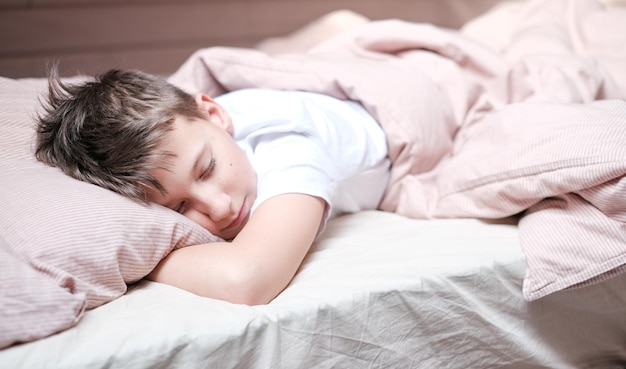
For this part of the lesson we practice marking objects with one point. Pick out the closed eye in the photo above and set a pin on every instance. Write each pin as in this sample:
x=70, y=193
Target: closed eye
x=179, y=208
x=207, y=172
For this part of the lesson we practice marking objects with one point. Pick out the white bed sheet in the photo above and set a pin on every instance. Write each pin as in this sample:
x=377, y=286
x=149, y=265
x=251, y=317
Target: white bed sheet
x=377, y=291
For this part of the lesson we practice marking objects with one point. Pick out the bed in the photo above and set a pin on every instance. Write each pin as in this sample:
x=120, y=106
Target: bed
x=501, y=245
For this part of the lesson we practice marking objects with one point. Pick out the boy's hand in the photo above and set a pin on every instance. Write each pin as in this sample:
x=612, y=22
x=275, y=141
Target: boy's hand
x=259, y=263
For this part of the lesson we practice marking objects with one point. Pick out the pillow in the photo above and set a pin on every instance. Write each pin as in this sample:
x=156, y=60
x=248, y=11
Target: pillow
x=74, y=242
x=46, y=308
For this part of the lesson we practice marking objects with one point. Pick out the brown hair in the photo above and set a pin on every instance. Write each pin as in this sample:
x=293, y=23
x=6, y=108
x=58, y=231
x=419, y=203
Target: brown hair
x=106, y=131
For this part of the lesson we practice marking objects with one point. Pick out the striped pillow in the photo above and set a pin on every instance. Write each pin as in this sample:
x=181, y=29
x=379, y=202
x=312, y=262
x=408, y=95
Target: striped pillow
x=67, y=245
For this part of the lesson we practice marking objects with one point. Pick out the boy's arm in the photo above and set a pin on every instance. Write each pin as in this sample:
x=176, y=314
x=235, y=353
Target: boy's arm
x=259, y=263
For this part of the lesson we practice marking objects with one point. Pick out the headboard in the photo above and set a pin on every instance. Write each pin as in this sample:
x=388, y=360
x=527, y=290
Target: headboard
x=158, y=35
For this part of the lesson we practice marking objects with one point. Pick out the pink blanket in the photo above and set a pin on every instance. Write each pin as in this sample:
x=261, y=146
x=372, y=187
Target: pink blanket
x=483, y=126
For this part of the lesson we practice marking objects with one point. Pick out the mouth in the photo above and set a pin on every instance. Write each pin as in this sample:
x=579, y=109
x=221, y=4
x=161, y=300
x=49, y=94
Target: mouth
x=239, y=219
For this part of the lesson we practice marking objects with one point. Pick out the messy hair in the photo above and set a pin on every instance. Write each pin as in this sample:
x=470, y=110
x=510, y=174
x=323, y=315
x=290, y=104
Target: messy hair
x=107, y=131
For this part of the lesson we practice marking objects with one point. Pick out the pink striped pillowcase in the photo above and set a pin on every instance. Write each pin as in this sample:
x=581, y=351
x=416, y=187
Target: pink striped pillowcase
x=65, y=245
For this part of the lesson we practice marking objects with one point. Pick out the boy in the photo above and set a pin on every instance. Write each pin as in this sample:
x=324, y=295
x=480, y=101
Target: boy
x=262, y=169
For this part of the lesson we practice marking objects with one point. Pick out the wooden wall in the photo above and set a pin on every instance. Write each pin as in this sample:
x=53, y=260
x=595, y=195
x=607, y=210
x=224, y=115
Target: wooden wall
x=88, y=36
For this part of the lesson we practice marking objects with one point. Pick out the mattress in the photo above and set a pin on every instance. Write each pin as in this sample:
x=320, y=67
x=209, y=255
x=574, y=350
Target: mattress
x=378, y=290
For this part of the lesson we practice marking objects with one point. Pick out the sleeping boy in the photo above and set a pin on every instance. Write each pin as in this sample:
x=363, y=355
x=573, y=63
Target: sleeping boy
x=262, y=169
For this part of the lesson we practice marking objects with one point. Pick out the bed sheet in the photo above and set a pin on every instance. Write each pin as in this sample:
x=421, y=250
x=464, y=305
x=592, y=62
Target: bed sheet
x=376, y=291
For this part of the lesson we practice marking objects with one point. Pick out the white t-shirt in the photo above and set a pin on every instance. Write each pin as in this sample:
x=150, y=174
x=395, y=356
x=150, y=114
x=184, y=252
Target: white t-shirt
x=303, y=142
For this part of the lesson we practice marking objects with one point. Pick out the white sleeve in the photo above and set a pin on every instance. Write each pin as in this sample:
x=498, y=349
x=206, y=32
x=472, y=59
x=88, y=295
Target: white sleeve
x=294, y=162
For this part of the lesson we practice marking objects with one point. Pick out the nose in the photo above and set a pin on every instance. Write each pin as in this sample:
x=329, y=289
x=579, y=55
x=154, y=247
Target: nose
x=212, y=201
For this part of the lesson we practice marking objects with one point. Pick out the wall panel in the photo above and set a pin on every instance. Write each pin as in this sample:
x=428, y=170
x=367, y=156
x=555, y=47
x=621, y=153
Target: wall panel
x=88, y=36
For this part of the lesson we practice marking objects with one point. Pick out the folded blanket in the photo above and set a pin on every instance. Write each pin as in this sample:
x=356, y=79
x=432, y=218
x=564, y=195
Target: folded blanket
x=482, y=129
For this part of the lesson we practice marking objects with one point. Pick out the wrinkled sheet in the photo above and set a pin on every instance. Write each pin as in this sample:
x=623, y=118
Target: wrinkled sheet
x=378, y=290
x=532, y=121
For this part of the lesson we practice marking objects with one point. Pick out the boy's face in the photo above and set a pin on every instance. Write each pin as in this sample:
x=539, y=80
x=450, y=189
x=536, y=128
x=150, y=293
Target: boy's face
x=209, y=179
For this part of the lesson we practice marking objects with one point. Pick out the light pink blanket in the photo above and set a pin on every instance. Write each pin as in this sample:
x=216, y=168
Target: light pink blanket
x=478, y=128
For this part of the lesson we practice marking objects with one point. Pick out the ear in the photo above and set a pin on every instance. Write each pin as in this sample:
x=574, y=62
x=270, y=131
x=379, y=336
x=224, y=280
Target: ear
x=217, y=114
